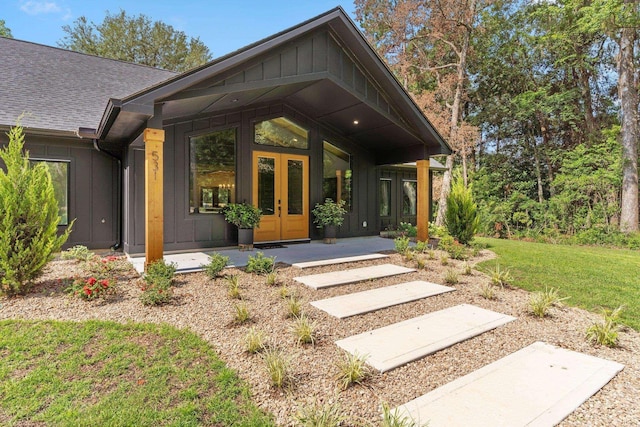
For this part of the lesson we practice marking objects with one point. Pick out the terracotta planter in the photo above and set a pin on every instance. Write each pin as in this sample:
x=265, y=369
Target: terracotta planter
x=330, y=233
x=245, y=237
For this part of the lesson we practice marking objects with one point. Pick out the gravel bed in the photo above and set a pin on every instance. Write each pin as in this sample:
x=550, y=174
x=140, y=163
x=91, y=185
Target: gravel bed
x=202, y=305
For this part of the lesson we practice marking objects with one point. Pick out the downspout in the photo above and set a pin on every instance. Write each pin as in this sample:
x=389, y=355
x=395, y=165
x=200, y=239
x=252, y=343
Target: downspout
x=118, y=243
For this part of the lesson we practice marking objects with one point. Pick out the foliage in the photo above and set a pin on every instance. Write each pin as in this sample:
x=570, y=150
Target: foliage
x=284, y=292
x=136, y=39
x=500, y=276
x=216, y=265
x=28, y=217
x=278, y=366
x=316, y=415
x=451, y=277
x=255, y=341
x=352, y=369
x=260, y=264
x=242, y=314
x=534, y=263
x=159, y=269
x=4, y=30
x=294, y=307
x=137, y=374
x=78, y=252
x=401, y=244
x=408, y=229
x=329, y=213
x=233, y=287
x=395, y=418
x=158, y=280
x=304, y=329
x=606, y=332
x=242, y=215
x=272, y=278
x=91, y=288
x=488, y=290
x=455, y=249
x=467, y=269
x=461, y=218
x=540, y=302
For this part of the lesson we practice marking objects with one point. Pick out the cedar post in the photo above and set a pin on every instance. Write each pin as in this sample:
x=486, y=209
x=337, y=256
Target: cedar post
x=423, y=200
x=153, y=200
x=338, y=185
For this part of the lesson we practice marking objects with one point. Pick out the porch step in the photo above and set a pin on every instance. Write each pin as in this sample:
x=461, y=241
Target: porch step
x=539, y=385
x=334, y=261
x=335, y=278
x=400, y=343
x=375, y=299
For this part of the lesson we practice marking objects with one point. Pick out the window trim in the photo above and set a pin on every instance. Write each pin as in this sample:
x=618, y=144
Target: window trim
x=68, y=163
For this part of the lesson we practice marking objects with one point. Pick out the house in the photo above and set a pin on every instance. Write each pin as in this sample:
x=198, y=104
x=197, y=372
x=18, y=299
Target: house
x=146, y=158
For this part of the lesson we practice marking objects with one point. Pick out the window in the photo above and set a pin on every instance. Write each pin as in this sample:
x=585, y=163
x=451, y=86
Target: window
x=212, y=177
x=281, y=132
x=59, y=171
x=385, y=197
x=337, y=174
x=409, y=197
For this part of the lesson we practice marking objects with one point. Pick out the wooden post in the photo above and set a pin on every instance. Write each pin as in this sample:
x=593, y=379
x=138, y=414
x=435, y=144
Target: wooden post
x=153, y=200
x=338, y=185
x=423, y=200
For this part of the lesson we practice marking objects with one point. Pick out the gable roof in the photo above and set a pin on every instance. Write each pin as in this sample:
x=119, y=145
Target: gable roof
x=61, y=90
x=351, y=82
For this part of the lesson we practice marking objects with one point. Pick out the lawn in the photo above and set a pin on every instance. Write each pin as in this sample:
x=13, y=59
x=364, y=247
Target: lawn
x=593, y=277
x=104, y=373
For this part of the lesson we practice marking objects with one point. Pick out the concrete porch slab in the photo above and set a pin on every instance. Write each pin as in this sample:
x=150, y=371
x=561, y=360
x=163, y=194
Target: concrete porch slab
x=539, y=385
x=404, y=342
x=375, y=299
x=335, y=278
x=343, y=260
x=187, y=262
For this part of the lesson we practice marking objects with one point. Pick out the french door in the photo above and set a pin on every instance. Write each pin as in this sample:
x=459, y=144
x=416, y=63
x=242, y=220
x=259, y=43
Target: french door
x=281, y=191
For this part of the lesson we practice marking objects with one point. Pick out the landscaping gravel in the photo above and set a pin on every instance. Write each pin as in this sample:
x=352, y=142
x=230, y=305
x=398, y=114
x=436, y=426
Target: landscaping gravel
x=202, y=305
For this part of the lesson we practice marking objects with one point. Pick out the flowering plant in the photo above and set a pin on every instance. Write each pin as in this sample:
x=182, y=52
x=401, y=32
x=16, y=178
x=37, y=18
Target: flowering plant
x=91, y=288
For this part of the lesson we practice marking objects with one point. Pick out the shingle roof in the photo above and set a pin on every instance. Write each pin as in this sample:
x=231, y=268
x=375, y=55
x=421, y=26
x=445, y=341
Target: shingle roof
x=62, y=90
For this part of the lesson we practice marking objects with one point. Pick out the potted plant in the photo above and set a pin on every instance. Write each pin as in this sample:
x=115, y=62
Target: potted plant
x=244, y=216
x=329, y=215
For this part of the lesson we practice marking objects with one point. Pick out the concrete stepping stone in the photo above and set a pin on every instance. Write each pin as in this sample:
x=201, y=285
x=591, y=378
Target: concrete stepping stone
x=539, y=385
x=403, y=342
x=375, y=299
x=335, y=278
x=334, y=261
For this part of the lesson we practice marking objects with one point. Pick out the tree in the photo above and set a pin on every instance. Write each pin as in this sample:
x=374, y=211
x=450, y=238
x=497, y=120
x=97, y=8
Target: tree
x=136, y=39
x=28, y=217
x=4, y=30
x=461, y=216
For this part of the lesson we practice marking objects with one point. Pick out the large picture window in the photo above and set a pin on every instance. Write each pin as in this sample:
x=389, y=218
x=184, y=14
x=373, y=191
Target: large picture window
x=337, y=174
x=409, y=197
x=59, y=171
x=212, y=177
x=281, y=132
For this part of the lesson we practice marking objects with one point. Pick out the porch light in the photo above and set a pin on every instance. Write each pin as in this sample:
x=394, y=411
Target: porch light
x=355, y=122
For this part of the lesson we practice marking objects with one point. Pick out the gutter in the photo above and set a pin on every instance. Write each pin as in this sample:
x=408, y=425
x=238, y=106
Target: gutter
x=91, y=134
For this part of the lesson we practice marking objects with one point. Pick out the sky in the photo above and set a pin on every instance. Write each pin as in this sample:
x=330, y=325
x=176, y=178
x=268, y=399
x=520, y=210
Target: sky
x=222, y=25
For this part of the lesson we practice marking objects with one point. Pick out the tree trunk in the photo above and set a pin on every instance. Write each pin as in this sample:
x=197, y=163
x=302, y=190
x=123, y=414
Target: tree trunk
x=628, y=95
x=455, y=113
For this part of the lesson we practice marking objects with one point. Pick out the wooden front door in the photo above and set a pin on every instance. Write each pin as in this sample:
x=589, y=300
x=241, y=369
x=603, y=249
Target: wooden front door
x=281, y=191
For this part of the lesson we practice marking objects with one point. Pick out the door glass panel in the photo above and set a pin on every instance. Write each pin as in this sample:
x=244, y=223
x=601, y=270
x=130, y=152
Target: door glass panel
x=266, y=185
x=294, y=177
x=410, y=197
x=385, y=197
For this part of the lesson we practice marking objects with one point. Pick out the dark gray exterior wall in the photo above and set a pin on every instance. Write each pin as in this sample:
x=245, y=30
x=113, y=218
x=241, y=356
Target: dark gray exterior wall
x=93, y=190
x=183, y=231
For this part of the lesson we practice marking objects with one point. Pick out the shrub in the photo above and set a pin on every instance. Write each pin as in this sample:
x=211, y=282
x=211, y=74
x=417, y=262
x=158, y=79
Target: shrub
x=467, y=269
x=352, y=369
x=329, y=213
x=407, y=229
x=421, y=263
x=278, y=367
x=453, y=248
x=284, y=292
x=421, y=247
x=233, y=287
x=451, y=277
x=461, y=217
x=159, y=270
x=401, y=244
x=91, y=288
x=304, y=330
x=316, y=415
x=157, y=292
x=79, y=252
x=606, y=332
x=396, y=419
x=294, y=307
x=444, y=259
x=241, y=313
x=499, y=276
x=255, y=341
x=272, y=278
x=488, y=290
x=541, y=302
x=28, y=217
x=260, y=264
x=216, y=265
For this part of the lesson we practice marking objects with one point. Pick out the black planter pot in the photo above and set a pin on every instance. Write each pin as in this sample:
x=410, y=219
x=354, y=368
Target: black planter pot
x=330, y=232
x=245, y=237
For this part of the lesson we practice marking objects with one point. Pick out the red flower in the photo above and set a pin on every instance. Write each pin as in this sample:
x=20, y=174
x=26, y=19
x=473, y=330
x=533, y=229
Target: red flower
x=87, y=291
x=92, y=281
x=104, y=283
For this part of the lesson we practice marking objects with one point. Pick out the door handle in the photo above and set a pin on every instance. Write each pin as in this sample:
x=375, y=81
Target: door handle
x=279, y=211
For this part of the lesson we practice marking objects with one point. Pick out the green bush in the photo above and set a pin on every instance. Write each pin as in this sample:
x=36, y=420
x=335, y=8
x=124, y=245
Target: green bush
x=157, y=292
x=408, y=229
x=260, y=264
x=453, y=248
x=28, y=217
x=78, y=252
x=160, y=270
x=216, y=265
x=401, y=244
x=461, y=218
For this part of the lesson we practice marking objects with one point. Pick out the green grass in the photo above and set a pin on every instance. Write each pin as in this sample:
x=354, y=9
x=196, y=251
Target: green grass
x=103, y=373
x=593, y=277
